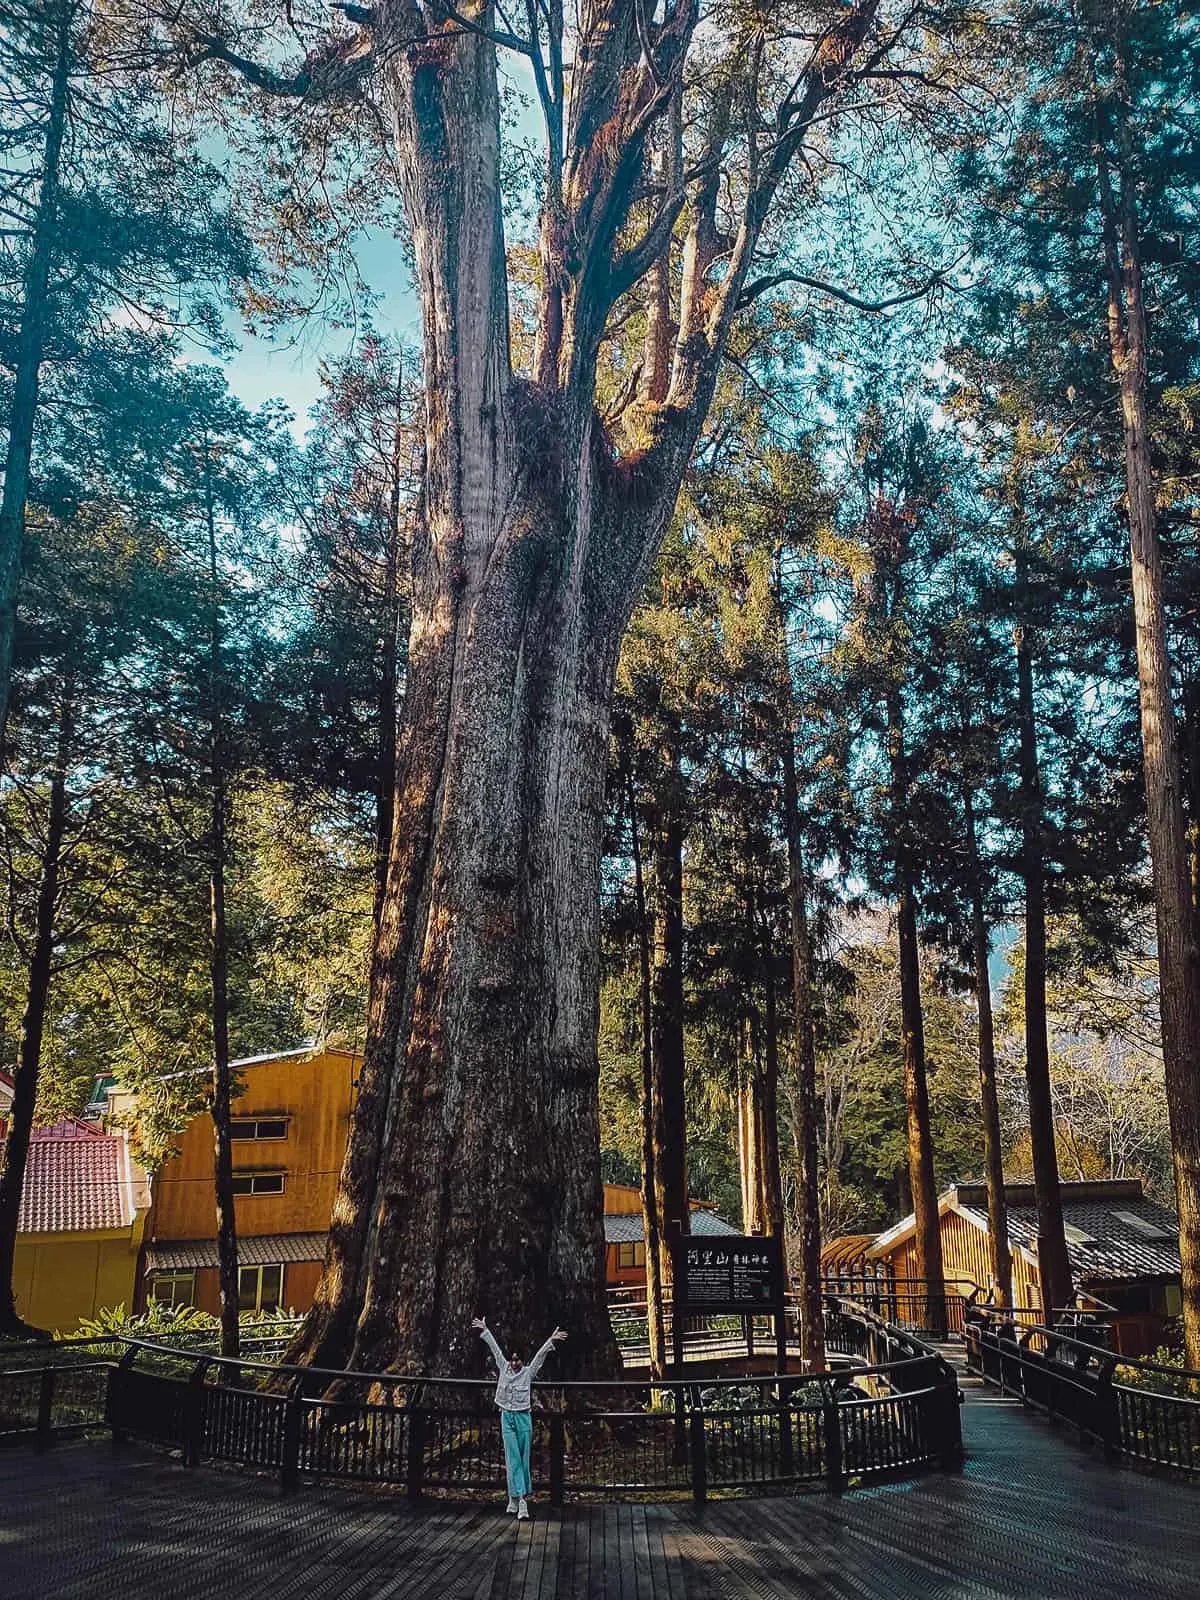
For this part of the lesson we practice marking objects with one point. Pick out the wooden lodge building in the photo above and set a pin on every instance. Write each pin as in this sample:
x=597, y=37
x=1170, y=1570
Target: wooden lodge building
x=1123, y=1249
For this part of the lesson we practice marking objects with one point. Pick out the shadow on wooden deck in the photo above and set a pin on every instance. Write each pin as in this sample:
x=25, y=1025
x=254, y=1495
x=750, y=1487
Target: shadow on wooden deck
x=1031, y=1518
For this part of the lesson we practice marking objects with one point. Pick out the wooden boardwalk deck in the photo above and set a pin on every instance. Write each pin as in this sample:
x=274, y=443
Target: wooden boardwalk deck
x=1031, y=1518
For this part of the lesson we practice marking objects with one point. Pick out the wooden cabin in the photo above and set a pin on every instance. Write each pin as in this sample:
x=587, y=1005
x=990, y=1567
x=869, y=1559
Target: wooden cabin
x=290, y=1123
x=1123, y=1249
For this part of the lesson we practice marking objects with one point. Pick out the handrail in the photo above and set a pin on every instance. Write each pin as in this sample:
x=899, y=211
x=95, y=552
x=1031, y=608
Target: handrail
x=1153, y=1426
x=353, y=1375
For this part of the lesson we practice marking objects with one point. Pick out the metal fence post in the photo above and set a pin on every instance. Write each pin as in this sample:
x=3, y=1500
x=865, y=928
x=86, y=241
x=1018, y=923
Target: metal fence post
x=193, y=1414
x=415, y=1465
x=45, y=1418
x=950, y=1424
x=114, y=1396
x=1108, y=1411
x=289, y=1461
x=835, y=1466
x=699, y=1455
x=557, y=1455
x=786, y=1456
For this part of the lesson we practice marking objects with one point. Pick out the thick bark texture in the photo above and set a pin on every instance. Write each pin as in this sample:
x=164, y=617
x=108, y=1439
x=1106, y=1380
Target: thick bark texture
x=31, y=341
x=1054, y=1267
x=37, y=1000
x=1178, y=944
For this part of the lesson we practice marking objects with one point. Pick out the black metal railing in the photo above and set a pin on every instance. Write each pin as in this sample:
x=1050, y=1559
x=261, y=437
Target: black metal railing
x=636, y=1437
x=1133, y=1408
x=53, y=1398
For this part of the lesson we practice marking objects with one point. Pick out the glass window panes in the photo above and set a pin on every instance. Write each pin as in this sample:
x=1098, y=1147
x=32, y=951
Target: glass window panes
x=260, y=1288
x=258, y=1183
x=173, y=1289
x=258, y=1128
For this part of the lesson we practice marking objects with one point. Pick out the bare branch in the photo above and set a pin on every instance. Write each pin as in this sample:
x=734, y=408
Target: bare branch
x=762, y=286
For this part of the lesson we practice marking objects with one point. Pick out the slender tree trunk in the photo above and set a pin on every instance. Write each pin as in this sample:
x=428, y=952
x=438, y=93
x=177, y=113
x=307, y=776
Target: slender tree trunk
x=927, y=1253
x=802, y=1096
x=389, y=666
x=669, y=1065
x=804, y=1077
x=770, y=1176
x=989, y=1100
x=31, y=340
x=1178, y=943
x=37, y=1000
x=1191, y=715
x=1054, y=1267
x=651, y=1213
x=227, y=1253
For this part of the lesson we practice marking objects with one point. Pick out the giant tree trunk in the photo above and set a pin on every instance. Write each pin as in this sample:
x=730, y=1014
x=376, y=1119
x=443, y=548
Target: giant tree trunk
x=1178, y=941
x=31, y=342
x=1000, y=1255
x=37, y=1001
x=1054, y=1267
x=472, y=1178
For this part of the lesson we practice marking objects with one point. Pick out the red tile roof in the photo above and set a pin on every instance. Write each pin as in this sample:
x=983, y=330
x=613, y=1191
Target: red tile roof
x=78, y=1178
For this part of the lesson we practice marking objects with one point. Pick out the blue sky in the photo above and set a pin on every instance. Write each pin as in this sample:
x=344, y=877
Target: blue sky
x=288, y=367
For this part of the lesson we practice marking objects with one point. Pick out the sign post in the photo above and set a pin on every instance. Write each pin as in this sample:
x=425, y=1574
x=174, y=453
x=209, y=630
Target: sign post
x=723, y=1274
x=727, y=1274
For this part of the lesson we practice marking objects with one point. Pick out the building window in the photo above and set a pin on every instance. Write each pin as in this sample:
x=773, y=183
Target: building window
x=259, y=1128
x=258, y=1183
x=260, y=1288
x=631, y=1255
x=173, y=1289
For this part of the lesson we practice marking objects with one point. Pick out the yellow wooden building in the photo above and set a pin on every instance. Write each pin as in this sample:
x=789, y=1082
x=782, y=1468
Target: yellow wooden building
x=290, y=1123
x=79, y=1232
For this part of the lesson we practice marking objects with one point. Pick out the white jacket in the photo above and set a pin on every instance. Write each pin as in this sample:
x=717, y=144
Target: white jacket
x=514, y=1389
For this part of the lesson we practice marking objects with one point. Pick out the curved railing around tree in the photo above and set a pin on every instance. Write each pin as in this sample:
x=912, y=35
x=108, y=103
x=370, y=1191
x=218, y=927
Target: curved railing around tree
x=1132, y=1408
x=857, y=1424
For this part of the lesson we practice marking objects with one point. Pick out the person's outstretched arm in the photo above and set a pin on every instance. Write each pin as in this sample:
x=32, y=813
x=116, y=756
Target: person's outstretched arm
x=489, y=1339
x=556, y=1337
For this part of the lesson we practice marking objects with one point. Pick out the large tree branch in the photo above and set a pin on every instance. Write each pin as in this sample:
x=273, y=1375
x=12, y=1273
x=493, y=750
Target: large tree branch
x=334, y=74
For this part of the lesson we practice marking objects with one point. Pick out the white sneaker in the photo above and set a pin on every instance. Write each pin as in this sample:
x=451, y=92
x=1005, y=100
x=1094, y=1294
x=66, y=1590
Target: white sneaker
x=512, y=1508
x=522, y=1512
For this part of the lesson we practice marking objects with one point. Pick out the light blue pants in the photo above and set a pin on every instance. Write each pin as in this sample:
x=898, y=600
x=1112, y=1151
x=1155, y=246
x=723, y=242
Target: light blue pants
x=516, y=1429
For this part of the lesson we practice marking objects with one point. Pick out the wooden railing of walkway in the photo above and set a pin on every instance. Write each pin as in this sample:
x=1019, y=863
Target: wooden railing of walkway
x=871, y=1419
x=1134, y=1409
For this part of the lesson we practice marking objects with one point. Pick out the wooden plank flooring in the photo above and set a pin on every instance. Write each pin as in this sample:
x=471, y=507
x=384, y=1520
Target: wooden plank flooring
x=1031, y=1518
